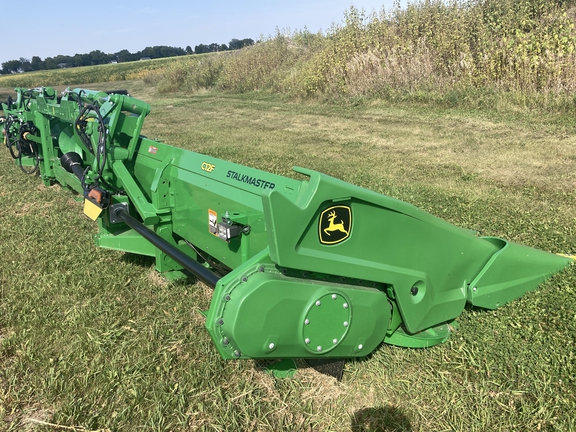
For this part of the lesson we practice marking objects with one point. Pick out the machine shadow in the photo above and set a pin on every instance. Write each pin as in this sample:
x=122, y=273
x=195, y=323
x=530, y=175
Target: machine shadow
x=380, y=419
x=138, y=260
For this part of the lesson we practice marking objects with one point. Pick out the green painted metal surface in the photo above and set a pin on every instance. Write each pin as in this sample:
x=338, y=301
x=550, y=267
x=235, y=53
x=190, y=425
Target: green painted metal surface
x=305, y=269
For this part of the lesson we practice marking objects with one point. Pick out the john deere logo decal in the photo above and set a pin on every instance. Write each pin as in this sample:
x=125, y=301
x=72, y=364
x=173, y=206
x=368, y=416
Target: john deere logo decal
x=335, y=223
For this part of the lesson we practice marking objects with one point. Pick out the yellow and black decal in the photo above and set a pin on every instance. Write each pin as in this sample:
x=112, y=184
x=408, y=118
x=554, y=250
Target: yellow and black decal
x=335, y=224
x=208, y=167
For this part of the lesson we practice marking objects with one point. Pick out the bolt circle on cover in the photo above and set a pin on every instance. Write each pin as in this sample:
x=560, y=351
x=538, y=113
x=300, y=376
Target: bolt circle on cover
x=322, y=329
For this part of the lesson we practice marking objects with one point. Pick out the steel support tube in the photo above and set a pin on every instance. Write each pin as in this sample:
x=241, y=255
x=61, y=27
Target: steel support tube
x=172, y=251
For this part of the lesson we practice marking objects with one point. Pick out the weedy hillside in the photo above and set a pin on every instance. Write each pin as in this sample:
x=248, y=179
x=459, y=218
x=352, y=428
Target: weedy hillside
x=478, y=53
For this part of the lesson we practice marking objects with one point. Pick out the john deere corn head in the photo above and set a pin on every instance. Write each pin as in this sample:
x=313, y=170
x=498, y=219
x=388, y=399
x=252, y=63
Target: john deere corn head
x=312, y=269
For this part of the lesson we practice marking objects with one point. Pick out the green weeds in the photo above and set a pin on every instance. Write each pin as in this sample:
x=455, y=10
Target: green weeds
x=509, y=55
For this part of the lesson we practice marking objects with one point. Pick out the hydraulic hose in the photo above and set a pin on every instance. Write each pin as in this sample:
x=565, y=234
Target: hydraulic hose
x=173, y=252
x=72, y=162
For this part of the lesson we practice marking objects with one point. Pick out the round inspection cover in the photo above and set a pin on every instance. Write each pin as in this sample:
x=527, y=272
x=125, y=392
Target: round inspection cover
x=326, y=322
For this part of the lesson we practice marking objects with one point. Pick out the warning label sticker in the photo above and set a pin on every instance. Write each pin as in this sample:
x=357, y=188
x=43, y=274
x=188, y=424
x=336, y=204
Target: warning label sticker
x=212, y=222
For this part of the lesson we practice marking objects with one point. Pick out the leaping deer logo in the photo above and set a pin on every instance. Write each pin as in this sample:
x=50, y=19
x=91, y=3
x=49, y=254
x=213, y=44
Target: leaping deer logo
x=335, y=224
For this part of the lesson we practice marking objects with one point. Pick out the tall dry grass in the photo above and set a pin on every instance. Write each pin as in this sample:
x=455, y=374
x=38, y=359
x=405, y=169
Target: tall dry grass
x=441, y=48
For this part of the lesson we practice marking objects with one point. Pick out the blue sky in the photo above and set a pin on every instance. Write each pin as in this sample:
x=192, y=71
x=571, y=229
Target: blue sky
x=46, y=29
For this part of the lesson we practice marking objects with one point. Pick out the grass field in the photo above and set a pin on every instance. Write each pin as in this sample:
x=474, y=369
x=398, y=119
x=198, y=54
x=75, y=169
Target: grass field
x=94, y=339
x=88, y=74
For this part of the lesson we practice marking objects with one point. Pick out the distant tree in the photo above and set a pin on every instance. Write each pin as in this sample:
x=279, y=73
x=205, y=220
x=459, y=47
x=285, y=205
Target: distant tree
x=124, y=56
x=82, y=60
x=11, y=66
x=147, y=52
x=98, y=57
x=49, y=63
x=168, y=51
x=236, y=44
x=223, y=47
x=63, y=61
x=201, y=49
x=95, y=57
x=160, y=52
x=25, y=65
x=37, y=63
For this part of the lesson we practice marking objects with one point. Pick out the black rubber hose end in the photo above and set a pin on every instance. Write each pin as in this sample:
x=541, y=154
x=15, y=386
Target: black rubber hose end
x=72, y=162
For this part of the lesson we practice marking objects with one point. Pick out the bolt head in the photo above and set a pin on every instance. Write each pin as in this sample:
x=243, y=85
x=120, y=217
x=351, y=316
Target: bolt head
x=318, y=303
x=360, y=346
x=345, y=305
x=220, y=322
x=414, y=290
x=334, y=296
x=345, y=323
x=225, y=342
x=271, y=346
x=306, y=321
x=334, y=341
x=319, y=348
x=227, y=298
x=237, y=353
x=307, y=341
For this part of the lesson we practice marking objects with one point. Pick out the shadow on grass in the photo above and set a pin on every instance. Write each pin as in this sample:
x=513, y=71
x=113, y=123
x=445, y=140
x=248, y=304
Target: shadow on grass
x=147, y=262
x=139, y=260
x=381, y=419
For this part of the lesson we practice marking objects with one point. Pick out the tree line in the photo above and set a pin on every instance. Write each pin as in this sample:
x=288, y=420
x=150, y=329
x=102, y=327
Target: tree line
x=98, y=57
x=235, y=44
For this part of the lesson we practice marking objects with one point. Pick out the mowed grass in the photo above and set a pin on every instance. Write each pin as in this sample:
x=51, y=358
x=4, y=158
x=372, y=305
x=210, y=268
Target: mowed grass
x=93, y=339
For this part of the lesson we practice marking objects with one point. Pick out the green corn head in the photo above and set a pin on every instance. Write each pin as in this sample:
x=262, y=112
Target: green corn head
x=314, y=269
